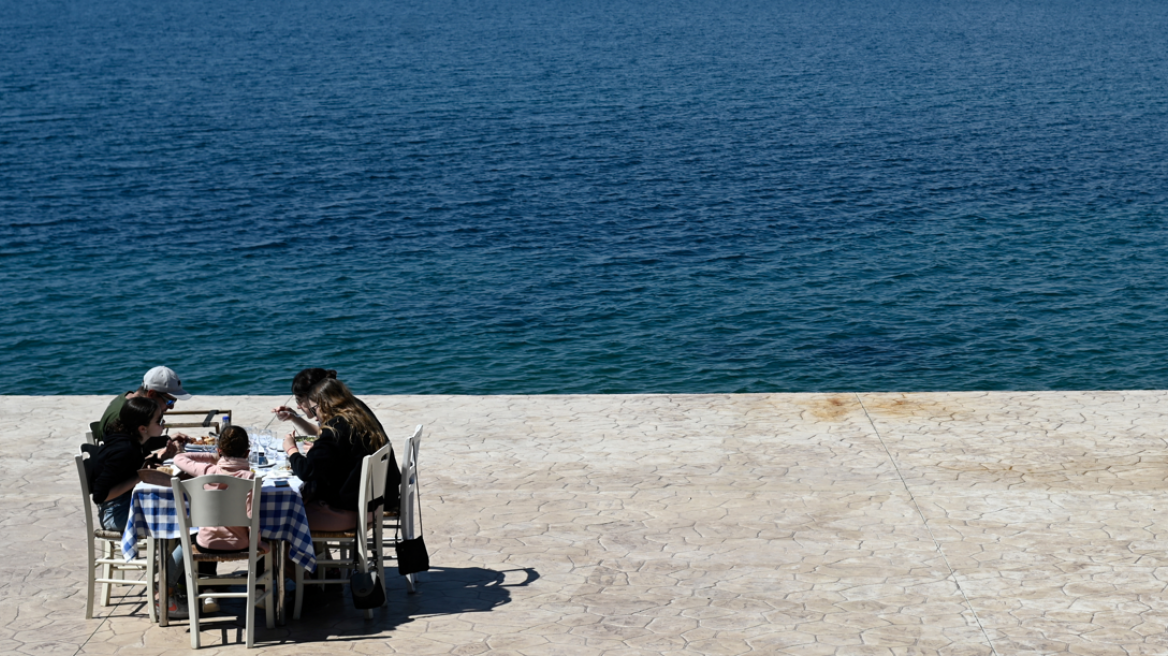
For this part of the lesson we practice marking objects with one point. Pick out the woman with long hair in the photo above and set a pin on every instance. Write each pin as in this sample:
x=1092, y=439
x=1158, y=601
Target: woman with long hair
x=331, y=470
x=302, y=387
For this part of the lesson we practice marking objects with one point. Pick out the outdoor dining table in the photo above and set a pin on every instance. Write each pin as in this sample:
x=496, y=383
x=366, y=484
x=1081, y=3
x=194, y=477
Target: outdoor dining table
x=282, y=520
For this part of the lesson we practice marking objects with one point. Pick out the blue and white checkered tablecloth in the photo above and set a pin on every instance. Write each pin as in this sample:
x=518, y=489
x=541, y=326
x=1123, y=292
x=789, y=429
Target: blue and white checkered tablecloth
x=281, y=518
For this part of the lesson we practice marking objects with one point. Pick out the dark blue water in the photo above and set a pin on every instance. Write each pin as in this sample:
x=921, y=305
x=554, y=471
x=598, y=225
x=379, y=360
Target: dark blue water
x=521, y=196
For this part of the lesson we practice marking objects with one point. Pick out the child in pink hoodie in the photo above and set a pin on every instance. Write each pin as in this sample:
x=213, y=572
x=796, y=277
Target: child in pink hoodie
x=231, y=460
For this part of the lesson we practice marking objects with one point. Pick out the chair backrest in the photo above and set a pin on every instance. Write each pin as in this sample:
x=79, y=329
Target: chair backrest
x=83, y=467
x=374, y=470
x=409, y=483
x=217, y=500
x=94, y=430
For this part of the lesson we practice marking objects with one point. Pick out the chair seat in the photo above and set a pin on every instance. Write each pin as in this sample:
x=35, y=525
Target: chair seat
x=199, y=556
x=107, y=535
x=325, y=535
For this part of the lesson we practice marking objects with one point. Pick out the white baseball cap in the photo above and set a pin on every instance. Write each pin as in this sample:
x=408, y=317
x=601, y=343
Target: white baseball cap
x=163, y=379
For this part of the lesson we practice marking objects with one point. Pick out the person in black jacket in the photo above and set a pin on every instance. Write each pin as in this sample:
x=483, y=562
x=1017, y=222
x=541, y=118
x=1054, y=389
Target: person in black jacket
x=302, y=386
x=115, y=467
x=331, y=470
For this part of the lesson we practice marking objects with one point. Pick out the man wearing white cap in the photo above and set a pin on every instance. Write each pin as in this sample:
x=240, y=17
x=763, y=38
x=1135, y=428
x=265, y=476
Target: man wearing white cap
x=160, y=384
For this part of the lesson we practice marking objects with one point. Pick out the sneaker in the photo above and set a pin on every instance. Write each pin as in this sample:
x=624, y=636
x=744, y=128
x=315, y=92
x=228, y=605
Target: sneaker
x=176, y=607
x=210, y=605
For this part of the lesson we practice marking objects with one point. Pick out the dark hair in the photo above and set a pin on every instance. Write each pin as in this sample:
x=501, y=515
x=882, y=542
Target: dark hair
x=335, y=400
x=234, y=442
x=307, y=379
x=138, y=411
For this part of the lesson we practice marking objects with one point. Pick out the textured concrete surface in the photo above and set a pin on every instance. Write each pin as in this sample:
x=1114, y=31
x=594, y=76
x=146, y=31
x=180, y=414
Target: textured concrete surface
x=1000, y=523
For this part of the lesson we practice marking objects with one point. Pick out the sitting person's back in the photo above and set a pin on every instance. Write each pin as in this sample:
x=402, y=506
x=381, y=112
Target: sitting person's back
x=114, y=471
x=231, y=460
x=331, y=470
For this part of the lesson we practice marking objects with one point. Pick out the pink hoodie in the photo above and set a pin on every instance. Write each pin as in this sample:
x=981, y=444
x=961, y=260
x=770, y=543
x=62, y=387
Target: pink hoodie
x=227, y=538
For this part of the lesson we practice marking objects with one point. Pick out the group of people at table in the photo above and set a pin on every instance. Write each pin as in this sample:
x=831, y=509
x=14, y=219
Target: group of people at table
x=131, y=436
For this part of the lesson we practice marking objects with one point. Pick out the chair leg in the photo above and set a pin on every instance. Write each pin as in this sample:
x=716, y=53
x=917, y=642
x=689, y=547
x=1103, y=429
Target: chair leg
x=364, y=566
x=410, y=583
x=193, y=608
x=106, y=572
x=89, y=580
x=299, y=592
x=151, y=560
x=270, y=588
x=249, y=616
x=379, y=558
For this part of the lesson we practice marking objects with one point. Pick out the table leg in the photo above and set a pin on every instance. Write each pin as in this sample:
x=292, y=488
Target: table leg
x=281, y=556
x=163, y=571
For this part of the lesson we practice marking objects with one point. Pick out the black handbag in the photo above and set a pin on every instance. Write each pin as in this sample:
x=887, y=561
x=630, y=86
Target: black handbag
x=412, y=556
x=367, y=588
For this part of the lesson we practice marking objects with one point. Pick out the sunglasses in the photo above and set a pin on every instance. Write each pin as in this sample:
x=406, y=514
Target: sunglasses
x=169, y=400
x=308, y=408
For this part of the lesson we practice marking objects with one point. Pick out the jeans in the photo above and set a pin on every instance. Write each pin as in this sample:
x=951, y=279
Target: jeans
x=115, y=512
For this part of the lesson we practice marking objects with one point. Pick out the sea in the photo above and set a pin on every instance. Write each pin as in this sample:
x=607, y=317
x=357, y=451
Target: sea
x=584, y=196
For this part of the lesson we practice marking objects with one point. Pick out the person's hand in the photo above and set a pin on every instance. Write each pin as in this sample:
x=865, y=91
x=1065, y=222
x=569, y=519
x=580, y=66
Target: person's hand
x=284, y=413
x=290, y=444
x=173, y=446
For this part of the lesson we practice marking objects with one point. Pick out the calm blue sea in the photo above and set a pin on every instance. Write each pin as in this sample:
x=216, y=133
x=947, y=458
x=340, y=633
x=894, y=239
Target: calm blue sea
x=523, y=196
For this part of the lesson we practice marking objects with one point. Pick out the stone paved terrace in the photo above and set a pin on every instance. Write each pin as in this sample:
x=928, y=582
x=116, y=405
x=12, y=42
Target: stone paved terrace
x=999, y=523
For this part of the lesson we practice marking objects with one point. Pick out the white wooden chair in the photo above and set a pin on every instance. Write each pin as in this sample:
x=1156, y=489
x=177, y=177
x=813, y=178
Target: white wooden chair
x=113, y=566
x=373, y=471
x=223, y=501
x=403, y=519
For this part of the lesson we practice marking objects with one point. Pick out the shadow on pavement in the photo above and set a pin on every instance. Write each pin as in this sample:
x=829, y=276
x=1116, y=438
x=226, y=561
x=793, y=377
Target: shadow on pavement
x=329, y=615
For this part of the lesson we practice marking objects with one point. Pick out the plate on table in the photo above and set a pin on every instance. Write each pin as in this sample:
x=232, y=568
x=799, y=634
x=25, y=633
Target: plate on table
x=201, y=448
x=160, y=476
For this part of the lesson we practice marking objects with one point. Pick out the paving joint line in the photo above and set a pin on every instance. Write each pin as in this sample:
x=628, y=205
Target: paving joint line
x=100, y=624
x=929, y=529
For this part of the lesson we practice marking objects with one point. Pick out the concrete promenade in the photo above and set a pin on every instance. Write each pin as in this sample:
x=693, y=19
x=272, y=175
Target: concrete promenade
x=810, y=524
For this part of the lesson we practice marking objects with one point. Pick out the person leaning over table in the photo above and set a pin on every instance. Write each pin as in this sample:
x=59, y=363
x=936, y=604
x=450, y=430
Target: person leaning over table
x=160, y=384
x=115, y=467
x=302, y=385
x=331, y=470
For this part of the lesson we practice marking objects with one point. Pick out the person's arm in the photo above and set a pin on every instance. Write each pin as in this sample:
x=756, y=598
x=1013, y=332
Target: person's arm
x=122, y=488
x=196, y=464
x=284, y=413
x=316, y=464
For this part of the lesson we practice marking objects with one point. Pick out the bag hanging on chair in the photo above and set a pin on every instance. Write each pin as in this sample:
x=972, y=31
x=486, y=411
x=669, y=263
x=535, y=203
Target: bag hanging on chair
x=367, y=588
x=412, y=556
